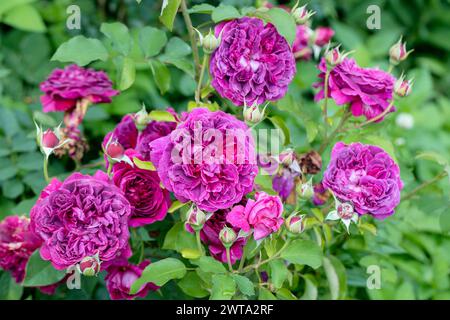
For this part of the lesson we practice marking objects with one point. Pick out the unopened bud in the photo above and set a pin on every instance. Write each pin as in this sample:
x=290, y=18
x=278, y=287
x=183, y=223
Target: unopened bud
x=49, y=139
x=252, y=114
x=89, y=266
x=306, y=190
x=302, y=14
x=345, y=210
x=334, y=56
x=227, y=236
x=287, y=157
x=398, y=53
x=115, y=150
x=403, y=87
x=295, y=224
x=196, y=218
x=141, y=119
x=323, y=35
x=209, y=42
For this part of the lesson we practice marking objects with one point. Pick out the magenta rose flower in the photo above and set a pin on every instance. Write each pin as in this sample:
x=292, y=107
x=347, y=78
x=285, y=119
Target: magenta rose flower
x=301, y=47
x=64, y=87
x=127, y=134
x=142, y=188
x=369, y=91
x=17, y=243
x=84, y=216
x=323, y=35
x=253, y=63
x=209, y=159
x=121, y=275
x=210, y=236
x=263, y=215
x=366, y=176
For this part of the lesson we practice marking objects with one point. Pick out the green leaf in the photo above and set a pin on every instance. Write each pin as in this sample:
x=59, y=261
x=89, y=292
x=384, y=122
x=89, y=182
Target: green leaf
x=8, y=5
x=177, y=48
x=7, y=172
x=168, y=12
x=9, y=123
x=191, y=285
x=160, y=273
x=279, y=123
x=178, y=239
x=224, y=12
x=223, y=287
x=39, y=272
x=283, y=22
x=337, y=277
x=151, y=41
x=205, y=8
x=265, y=294
x=311, y=291
x=80, y=50
x=184, y=64
x=303, y=252
x=25, y=17
x=161, y=74
x=244, y=284
x=119, y=35
x=278, y=273
x=144, y=165
x=127, y=73
x=161, y=115
x=9, y=289
x=209, y=264
x=176, y=205
x=12, y=188
x=285, y=294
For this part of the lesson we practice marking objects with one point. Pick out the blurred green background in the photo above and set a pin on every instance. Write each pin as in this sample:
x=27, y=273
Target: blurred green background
x=412, y=247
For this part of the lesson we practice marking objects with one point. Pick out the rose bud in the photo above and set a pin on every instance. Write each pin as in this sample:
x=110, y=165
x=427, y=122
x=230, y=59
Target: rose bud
x=252, y=114
x=398, y=53
x=114, y=150
x=89, y=266
x=306, y=190
x=302, y=15
x=141, y=119
x=295, y=224
x=322, y=36
x=227, y=236
x=403, y=87
x=196, y=218
x=287, y=157
x=345, y=210
x=209, y=42
x=49, y=139
x=334, y=56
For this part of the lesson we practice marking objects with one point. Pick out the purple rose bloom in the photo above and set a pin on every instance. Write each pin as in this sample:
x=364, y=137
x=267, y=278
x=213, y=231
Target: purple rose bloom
x=125, y=133
x=264, y=215
x=153, y=131
x=17, y=243
x=81, y=217
x=369, y=91
x=253, y=63
x=284, y=183
x=142, y=188
x=209, y=160
x=121, y=275
x=366, y=176
x=64, y=87
x=210, y=236
x=301, y=46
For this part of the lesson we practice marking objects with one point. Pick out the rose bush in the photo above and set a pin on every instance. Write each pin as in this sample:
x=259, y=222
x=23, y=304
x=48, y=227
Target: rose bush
x=281, y=169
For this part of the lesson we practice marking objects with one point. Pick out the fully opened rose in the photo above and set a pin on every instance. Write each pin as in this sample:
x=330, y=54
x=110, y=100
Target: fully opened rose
x=80, y=217
x=209, y=159
x=253, y=63
x=366, y=176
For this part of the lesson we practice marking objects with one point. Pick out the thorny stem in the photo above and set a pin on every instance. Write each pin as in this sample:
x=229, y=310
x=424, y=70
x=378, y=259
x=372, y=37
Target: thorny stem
x=45, y=167
x=230, y=265
x=200, y=80
x=424, y=185
x=190, y=28
x=338, y=129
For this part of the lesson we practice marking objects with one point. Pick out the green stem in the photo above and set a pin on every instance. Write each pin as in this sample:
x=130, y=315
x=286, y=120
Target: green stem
x=199, y=241
x=242, y=262
x=327, y=140
x=391, y=67
x=191, y=31
x=275, y=256
x=230, y=265
x=108, y=172
x=325, y=103
x=45, y=167
x=200, y=80
x=424, y=185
